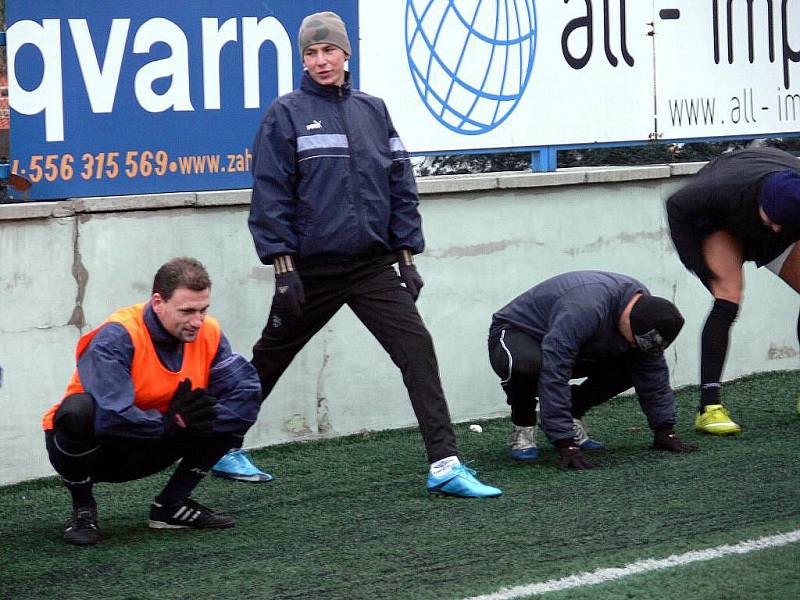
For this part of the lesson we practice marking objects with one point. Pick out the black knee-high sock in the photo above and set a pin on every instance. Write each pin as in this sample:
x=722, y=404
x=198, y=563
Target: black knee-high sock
x=714, y=347
x=201, y=454
x=523, y=414
x=580, y=402
x=181, y=485
x=76, y=459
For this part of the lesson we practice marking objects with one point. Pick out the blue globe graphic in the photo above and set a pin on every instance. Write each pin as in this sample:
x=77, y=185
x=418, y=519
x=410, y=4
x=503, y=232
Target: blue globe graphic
x=471, y=60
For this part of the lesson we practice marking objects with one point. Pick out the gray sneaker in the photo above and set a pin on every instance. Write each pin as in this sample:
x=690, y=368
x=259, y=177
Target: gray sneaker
x=582, y=439
x=522, y=442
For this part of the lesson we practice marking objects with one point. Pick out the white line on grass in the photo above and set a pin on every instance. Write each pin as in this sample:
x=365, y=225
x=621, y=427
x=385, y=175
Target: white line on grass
x=641, y=566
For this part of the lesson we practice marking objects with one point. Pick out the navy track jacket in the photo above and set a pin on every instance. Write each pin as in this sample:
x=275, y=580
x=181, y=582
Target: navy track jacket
x=331, y=178
x=576, y=318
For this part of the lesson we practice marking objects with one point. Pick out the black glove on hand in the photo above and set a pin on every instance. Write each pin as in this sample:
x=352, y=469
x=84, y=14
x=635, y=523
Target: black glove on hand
x=409, y=274
x=200, y=414
x=571, y=456
x=667, y=439
x=190, y=411
x=289, y=294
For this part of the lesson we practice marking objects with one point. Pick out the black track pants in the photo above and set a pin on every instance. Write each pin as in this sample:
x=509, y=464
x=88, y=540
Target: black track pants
x=516, y=357
x=76, y=454
x=373, y=290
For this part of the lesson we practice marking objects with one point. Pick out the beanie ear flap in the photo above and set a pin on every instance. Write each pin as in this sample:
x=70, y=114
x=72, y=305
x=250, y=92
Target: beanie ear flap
x=650, y=342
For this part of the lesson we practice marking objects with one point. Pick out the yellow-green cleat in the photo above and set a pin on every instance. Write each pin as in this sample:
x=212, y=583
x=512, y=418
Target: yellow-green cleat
x=714, y=419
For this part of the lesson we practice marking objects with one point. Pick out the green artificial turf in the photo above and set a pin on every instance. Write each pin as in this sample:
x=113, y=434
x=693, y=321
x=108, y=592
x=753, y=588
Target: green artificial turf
x=350, y=517
x=770, y=574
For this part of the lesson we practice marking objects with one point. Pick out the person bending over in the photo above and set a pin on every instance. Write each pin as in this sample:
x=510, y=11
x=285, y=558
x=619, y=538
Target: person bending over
x=603, y=326
x=742, y=206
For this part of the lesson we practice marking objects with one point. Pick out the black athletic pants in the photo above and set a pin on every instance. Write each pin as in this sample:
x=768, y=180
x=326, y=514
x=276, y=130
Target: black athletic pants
x=373, y=290
x=77, y=455
x=516, y=357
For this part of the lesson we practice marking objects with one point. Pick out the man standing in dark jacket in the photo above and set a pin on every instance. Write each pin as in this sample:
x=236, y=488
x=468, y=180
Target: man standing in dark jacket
x=744, y=205
x=334, y=206
x=602, y=326
x=155, y=383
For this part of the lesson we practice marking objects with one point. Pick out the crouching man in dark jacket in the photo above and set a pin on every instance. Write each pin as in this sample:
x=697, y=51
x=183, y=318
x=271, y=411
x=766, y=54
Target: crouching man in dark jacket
x=155, y=383
x=602, y=326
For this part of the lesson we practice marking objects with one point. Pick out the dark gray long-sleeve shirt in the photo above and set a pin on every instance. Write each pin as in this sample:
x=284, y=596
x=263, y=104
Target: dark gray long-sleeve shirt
x=576, y=317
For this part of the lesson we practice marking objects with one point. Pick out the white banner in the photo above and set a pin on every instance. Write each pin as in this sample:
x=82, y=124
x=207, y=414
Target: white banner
x=483, y=74
x=729, y=68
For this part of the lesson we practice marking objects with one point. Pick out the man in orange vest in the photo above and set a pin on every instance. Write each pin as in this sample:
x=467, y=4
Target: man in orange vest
x=155, y=383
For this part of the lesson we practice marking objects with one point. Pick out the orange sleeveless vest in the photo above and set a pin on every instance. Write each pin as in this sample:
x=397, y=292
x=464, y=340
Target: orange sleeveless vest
x=153, y=383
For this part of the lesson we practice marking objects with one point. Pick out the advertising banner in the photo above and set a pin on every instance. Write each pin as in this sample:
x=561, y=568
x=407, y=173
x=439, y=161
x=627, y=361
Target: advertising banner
x=472, y=74
x=127, y=97
x=729, y=68
x=144, y=97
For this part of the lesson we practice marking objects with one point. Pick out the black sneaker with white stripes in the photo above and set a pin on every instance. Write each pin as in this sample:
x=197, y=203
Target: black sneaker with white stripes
x=81, y=529
x=188, y=514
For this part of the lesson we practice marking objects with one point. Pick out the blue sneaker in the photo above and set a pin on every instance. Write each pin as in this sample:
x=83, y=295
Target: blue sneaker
x=460, y=481
x=522, y=443
x=237, y=465
x=582, y=439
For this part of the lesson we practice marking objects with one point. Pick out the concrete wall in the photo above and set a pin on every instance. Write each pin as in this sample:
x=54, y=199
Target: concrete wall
x=65, y=266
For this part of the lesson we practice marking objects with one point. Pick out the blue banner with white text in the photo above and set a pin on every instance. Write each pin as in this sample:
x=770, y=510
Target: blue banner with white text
x=114, y=98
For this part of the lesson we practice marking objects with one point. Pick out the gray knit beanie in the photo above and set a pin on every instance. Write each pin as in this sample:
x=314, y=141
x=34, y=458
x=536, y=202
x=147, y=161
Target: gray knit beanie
x=323, y=27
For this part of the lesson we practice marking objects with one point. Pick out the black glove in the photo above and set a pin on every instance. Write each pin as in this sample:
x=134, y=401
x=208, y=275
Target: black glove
x=289, y=294
x=409, y=274
x=571, y=456
x=667, y=439
x=190, y=411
